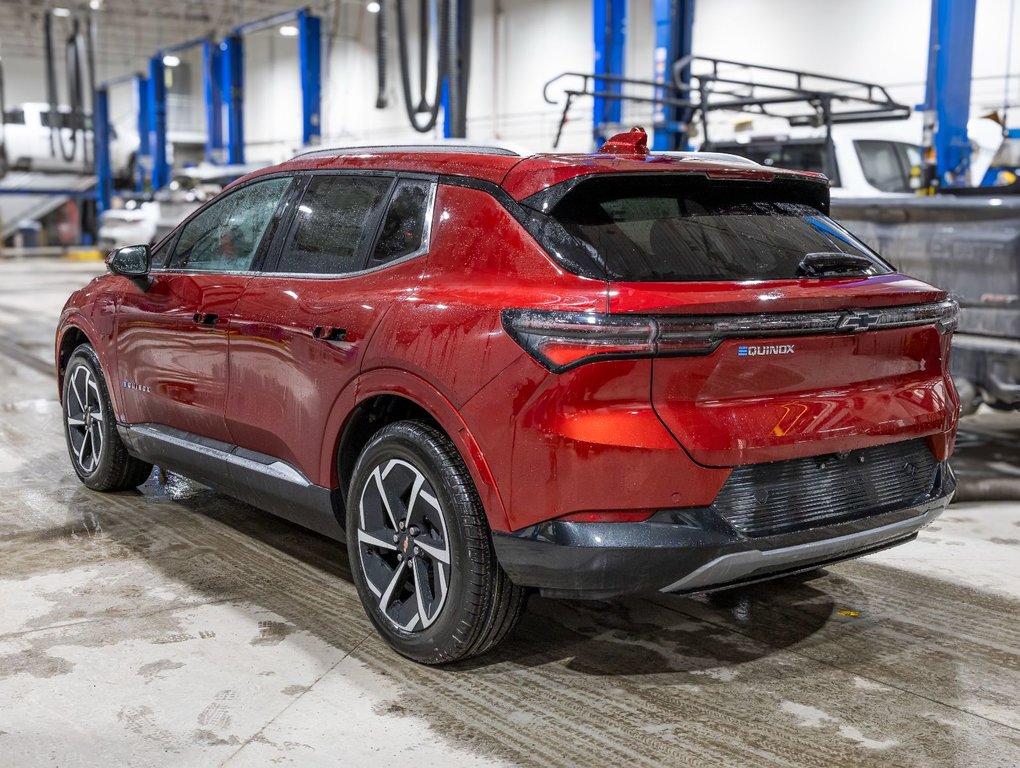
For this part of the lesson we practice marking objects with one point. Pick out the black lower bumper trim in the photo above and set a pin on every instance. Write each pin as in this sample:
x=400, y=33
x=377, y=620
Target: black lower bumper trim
x=599, y=560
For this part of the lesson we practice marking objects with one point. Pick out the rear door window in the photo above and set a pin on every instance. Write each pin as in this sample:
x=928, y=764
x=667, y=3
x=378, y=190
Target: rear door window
x=665, y=230
x=334, y=225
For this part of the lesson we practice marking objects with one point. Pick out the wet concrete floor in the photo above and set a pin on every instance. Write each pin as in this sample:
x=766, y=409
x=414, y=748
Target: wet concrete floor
x=178, y=627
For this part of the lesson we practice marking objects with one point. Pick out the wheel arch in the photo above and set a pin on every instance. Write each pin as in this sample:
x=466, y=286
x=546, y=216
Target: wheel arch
x=382, y=396
x=72, y=335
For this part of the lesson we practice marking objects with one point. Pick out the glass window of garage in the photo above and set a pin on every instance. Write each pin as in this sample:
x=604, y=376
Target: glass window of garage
x=225, y=237
x=334, y=225
x=405, y=227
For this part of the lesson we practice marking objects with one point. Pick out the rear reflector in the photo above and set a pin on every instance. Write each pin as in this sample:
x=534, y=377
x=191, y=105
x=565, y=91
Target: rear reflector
x=564, y=340
x=623, y=516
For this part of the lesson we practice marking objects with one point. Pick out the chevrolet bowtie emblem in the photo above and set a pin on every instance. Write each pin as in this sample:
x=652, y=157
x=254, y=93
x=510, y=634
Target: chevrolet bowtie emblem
x=859, y=321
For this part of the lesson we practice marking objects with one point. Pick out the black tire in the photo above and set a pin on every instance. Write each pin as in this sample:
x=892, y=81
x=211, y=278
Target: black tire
x=480, y=606
x=97, y=453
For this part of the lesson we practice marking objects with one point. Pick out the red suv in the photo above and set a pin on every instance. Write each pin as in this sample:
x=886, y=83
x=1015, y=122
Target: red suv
x=590, y=375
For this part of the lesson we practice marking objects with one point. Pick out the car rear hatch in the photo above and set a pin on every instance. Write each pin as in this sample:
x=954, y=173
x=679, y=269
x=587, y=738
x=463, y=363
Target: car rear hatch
x=775, y=333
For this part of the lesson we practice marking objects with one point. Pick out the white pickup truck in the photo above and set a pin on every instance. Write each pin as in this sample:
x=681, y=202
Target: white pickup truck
x=29, y=141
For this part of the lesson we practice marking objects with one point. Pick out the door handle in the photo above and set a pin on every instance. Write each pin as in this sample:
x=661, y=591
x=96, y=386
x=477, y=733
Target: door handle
x=328, y=334
x=206, y=318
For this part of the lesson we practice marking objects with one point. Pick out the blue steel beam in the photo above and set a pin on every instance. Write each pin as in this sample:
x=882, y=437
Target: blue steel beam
x=101, y=136
x=947, y=96
x=143, y=157
x=310, y=62
x=610, y=23
x=232, y=91
x=310, y=71
x=674, y=25
x=212, y=75
x=157, y=127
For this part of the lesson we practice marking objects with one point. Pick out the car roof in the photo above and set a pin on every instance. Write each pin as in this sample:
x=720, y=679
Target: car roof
x=522, y=177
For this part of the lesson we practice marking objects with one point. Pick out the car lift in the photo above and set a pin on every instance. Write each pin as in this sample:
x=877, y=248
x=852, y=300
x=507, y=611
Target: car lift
x=231, y=84
x=610, y=24
x=32, y=195
x=674, y=26
x=223, y=77
x=947, y=95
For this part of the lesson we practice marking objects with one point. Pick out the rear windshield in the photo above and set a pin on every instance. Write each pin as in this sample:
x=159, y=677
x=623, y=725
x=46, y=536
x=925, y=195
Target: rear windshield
x=683, y=230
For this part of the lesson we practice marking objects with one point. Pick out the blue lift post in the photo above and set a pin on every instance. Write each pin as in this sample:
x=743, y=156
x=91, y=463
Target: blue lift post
x=674, y=25
x=160, y=171
x=947, y=96
x=212, y=78
x=143, y=158
x=310, y=69
x=610, y=22
x=101, y=136
x=232, y=93
x=156, y=97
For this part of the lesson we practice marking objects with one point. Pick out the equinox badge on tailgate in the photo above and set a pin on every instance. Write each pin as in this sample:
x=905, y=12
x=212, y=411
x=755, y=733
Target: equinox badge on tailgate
x=779, y=349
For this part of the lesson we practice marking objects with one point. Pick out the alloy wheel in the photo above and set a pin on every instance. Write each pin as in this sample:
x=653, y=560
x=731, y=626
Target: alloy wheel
x=404, y=545
x=85, y=419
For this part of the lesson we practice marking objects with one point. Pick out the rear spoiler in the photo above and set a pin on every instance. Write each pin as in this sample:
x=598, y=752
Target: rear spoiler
x=802, y=188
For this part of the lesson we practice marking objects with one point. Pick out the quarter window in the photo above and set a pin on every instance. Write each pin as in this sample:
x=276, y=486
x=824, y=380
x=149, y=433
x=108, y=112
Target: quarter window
x=404, y=227
x=225, y=236
x=334, y=225
x=159, y=254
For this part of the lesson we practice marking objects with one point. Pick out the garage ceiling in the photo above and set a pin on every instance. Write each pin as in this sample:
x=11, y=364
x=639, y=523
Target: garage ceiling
x=129, y=31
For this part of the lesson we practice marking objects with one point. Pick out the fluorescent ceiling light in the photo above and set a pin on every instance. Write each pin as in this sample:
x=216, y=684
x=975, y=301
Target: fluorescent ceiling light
x=61, y=12
x=373, y=7
x=288, y=30
x=170, y=60
x=95, y=5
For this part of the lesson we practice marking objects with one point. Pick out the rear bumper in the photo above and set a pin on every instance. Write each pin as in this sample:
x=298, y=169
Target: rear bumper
x=694, y=550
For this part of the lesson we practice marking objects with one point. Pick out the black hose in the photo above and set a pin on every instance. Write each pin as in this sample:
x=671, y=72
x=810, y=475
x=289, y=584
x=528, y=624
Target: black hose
x=464, y=49
x=432, y=110
x=424, y=37
x=381, y=40
x=72, y=60
x=90, y=59
x=453, y=91
x=75, y=85
x=51, y=78
x=3, y=124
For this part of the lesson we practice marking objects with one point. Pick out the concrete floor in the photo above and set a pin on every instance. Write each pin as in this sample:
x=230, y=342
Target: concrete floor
x=178, y=627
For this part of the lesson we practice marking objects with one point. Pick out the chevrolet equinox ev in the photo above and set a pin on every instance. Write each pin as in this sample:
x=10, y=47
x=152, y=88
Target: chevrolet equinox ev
x=588, y=375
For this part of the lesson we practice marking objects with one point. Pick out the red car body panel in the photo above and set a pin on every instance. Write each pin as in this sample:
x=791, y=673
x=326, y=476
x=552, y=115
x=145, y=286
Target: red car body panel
x=171, y=350
x=284, y=380
x=832, y=396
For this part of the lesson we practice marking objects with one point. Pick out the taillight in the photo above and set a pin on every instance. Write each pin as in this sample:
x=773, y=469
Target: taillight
x=565, y=340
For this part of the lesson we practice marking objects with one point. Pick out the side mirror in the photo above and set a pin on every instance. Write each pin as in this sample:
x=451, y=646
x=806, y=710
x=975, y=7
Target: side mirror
x=130, y=261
